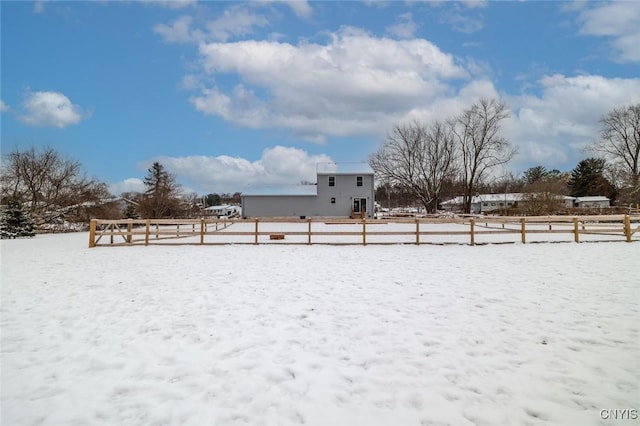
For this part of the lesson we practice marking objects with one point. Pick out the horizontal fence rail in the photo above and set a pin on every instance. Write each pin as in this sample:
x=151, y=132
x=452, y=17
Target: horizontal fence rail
x=430, y=230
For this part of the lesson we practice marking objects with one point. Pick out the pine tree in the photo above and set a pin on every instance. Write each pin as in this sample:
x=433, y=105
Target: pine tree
x=161, y=199
x=15, y=222
x=588, y=179
x=130, y=211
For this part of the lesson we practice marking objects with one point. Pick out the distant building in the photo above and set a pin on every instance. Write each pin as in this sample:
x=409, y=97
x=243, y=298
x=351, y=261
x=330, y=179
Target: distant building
x=223, y=210
x=341, y=190
x=484, y=203
x=592, y=202
x=487, y=203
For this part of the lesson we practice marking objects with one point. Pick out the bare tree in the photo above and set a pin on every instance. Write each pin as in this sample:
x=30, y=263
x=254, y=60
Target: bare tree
x=481, y=147
x=48, y=184
x=544, y=193
x=620, y=143
x=419, y=158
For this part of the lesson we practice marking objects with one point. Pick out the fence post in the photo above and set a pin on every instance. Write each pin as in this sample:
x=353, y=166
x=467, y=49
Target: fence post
x=92, y=233
x=472, y=224
x=129, y=231
x=309, y=231
x=202, y=225
x=146, y=232
x=523, y=230
x=627, y=227
x=576, y=232
x=417, y=231
x=255, y=241
x=364, y=231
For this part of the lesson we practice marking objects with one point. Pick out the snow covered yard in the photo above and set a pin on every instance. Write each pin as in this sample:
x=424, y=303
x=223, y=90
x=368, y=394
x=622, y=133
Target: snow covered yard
x=516, y=334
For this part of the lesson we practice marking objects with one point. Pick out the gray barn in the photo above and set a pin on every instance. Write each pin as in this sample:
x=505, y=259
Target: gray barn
x=341, y=190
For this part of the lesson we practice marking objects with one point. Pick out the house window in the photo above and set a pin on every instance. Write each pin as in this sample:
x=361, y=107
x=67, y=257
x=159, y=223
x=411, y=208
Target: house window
x=333, y=200
x=358, y=180
x=332, y=181
x=493, y=204
x=485, y=204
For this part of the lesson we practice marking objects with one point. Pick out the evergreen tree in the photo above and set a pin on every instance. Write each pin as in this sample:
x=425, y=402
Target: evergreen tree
x=539, y=173
x=588, y=179
x=161, y=199
x=130, y=211
x=15, y=222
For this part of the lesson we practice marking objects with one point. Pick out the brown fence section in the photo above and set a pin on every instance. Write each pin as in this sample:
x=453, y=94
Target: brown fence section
x=457, y=230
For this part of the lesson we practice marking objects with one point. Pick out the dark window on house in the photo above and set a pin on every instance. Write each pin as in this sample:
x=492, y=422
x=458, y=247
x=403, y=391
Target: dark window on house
x=358, y=180
x=333, y=200
x=332, y=181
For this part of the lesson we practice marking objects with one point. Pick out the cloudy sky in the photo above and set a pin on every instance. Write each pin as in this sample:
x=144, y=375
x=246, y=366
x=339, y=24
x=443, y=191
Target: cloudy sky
x=227, y=94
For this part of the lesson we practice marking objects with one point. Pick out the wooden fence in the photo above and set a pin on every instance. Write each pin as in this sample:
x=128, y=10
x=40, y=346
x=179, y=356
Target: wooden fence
x=458, y=230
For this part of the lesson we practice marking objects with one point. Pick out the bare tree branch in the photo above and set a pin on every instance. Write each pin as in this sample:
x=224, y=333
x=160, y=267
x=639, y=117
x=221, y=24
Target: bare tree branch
x=477, y=133
x=418, y=158
x=620, y=143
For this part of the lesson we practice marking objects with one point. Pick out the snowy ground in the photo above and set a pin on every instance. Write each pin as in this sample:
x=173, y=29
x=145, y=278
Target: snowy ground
x=540, y=334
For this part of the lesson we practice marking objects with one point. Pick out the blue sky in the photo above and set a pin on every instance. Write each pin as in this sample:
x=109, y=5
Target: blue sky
x=227, y=94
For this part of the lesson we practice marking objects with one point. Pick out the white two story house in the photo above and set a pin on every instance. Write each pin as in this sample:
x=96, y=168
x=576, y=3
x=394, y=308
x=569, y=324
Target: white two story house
x=341, y=190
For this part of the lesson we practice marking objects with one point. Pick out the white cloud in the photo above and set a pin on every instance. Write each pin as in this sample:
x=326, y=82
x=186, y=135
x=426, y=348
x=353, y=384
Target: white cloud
x=475, y=4
x=4, y=107
x=278, y=165
x=556, y=126
x=356, y=84
x=50, y=109
x=171, y=4
x=38, y=6
x=300, y=8
x=178, y=32
x=620, y=21
x=127, y=185
x=461, y=19
x=235, y=21
x=405, y=28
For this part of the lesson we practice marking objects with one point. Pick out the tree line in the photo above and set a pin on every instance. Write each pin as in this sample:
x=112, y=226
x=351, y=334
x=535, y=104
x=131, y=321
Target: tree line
x=426, y=162
x=40, y=188
x=418, y=162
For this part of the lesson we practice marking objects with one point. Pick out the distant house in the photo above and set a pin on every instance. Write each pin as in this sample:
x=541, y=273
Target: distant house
x=484, y=203
x=487, y=203
x=341, y=190
x=592, y=202
x=492, y=202
x=457, y=204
